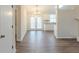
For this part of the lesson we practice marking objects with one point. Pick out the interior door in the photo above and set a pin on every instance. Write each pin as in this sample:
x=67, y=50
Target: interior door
x=39, y=23
x=5, y=28
x=33, y=23
x=36, y=23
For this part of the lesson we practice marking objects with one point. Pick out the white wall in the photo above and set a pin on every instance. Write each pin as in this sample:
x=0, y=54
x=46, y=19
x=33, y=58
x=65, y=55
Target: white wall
x=18, y=22
x=21, y=22
x=77, y=17
x=67, y=27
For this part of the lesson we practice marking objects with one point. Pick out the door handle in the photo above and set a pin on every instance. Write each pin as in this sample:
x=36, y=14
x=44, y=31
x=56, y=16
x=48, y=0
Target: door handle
x=2, y=36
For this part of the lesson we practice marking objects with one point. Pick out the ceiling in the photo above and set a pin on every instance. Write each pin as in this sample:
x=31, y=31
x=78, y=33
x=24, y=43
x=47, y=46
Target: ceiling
x=41, y=9
x=67, y=7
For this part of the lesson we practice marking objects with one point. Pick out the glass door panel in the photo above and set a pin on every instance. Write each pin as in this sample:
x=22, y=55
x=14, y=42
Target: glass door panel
x=39, y=23
x=36, y=23
x=33, y=23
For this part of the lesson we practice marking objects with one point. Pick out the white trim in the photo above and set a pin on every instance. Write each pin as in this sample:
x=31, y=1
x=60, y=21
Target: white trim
x=65, y=37
x=18, y=40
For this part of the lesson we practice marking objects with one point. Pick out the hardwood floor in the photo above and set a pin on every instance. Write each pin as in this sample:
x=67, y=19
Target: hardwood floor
x=45, y=42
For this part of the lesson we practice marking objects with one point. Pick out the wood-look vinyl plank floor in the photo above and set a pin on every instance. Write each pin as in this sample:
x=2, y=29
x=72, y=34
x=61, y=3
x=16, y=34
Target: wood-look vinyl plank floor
x=45, y=42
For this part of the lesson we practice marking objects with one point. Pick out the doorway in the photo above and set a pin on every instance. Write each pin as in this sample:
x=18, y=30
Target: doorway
x=36, y=23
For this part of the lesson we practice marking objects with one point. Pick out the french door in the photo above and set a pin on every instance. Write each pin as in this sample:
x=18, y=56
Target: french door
x=36, y=23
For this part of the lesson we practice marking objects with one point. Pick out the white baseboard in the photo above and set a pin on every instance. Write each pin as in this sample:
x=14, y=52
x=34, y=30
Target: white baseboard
x=14, y=51
x=48, y=30
x=19, y=39
x=65, y=37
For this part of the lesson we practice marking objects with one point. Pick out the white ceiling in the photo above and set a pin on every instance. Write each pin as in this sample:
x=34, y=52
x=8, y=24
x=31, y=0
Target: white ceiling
x=67, y=7
x=41, y=9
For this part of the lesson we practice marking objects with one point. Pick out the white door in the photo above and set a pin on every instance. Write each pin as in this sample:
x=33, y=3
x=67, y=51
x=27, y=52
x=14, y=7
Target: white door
x=39, y=23
x=33, y=23
x=36, y=23
x=5, y=29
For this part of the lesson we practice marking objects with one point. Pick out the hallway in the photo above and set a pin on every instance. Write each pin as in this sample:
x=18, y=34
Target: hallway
x=37, y=41
x=45, y=42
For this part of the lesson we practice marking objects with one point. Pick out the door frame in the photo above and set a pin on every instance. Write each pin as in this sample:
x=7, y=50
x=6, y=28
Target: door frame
x=13, y=26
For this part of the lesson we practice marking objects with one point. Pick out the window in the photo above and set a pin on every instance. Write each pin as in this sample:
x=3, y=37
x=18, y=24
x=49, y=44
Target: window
x=52, y=18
